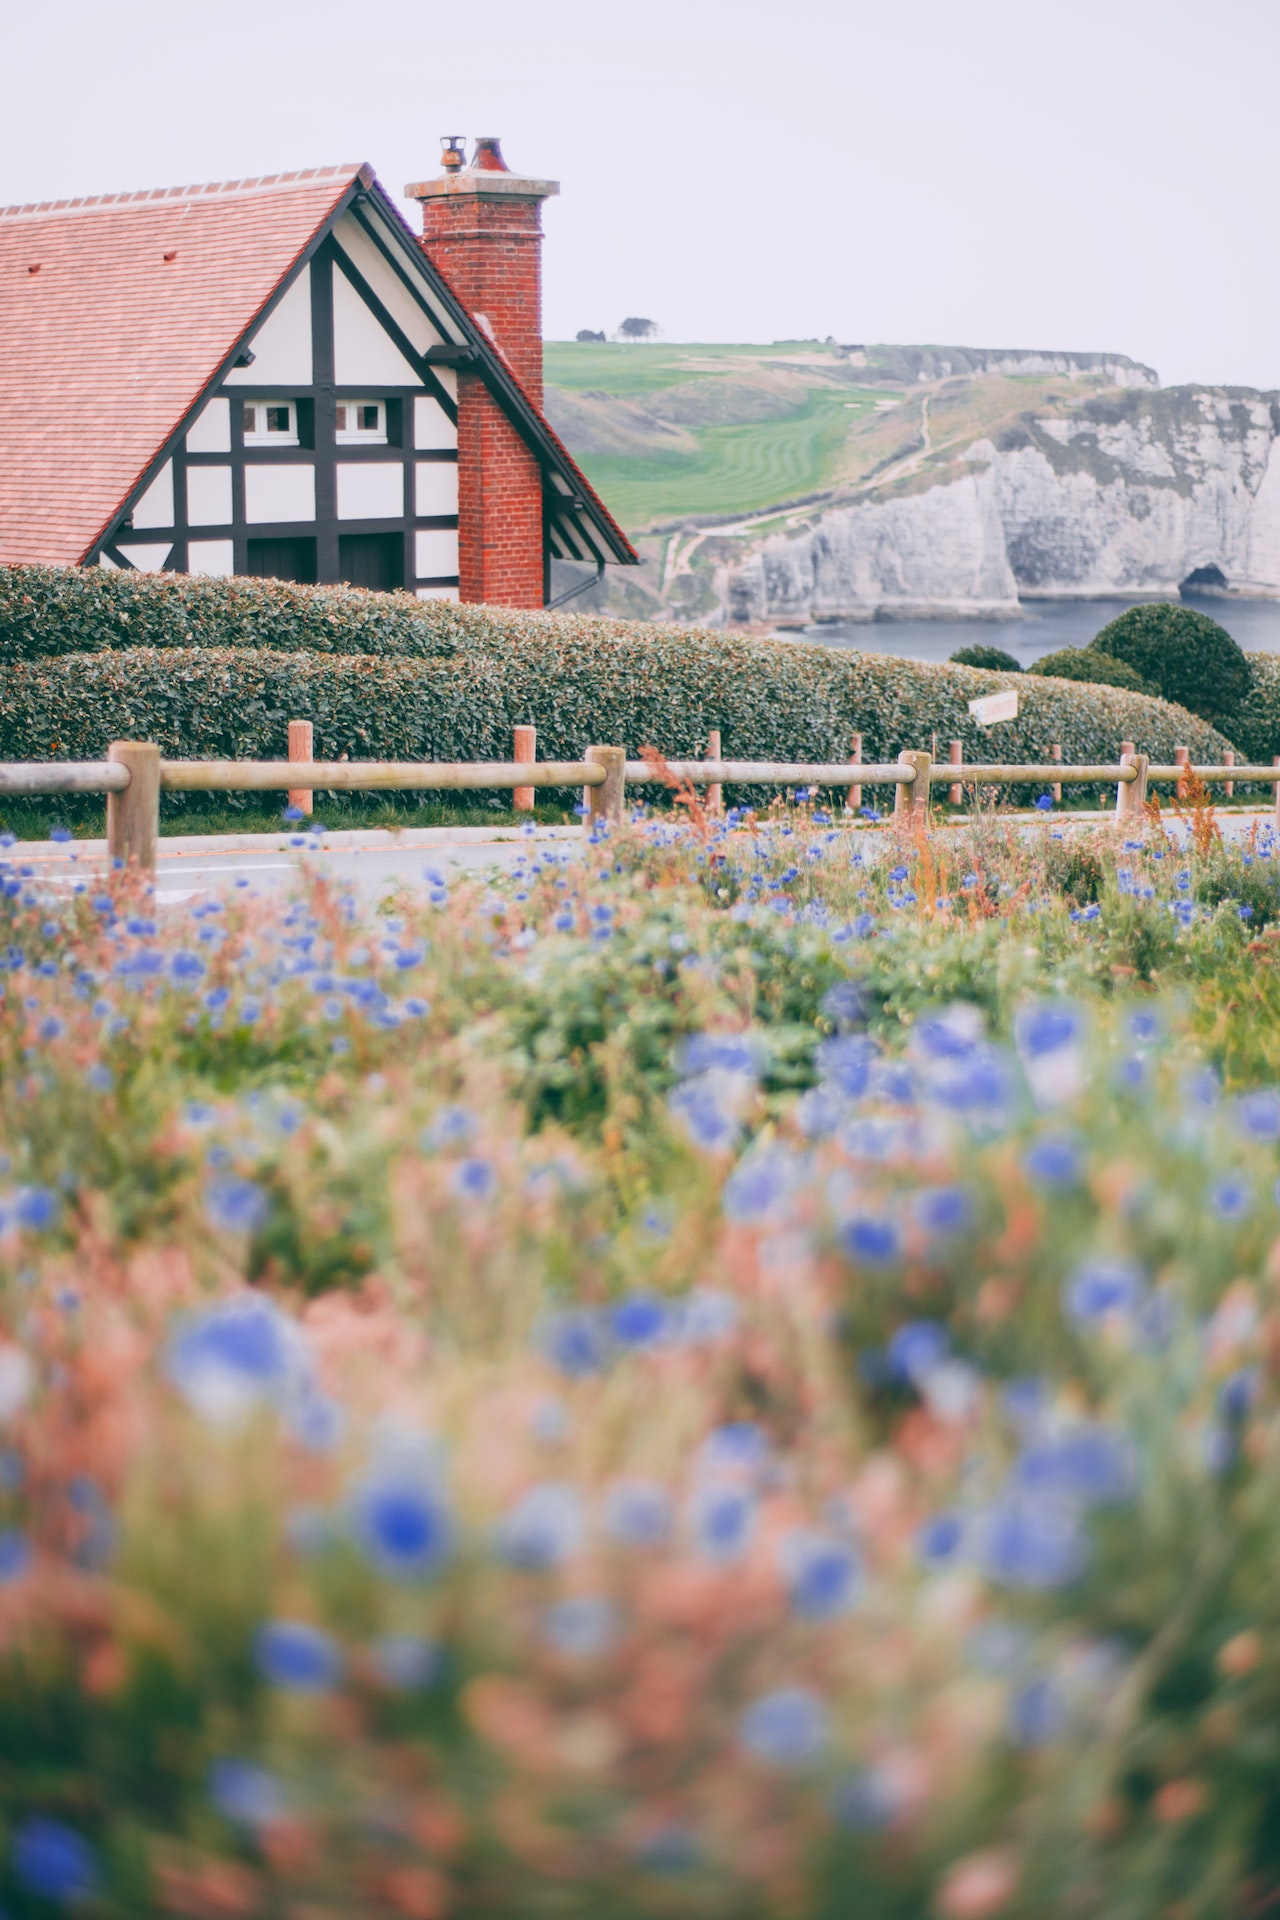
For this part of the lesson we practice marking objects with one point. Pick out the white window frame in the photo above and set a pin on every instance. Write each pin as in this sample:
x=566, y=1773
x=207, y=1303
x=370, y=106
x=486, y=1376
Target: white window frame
x=260, y=437
x=363, y=436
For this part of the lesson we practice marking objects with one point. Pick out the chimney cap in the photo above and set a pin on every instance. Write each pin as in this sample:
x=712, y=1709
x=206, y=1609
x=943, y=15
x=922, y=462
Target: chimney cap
x=487, y=157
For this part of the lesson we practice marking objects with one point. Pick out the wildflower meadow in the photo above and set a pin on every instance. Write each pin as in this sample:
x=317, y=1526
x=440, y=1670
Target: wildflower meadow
x=727, y=1372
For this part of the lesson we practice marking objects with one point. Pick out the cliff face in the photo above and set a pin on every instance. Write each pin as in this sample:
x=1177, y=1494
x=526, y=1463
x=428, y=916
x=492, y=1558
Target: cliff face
x=1129, y=492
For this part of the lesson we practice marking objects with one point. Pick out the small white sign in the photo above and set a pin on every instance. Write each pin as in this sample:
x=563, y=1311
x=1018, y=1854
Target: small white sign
x=995, y=706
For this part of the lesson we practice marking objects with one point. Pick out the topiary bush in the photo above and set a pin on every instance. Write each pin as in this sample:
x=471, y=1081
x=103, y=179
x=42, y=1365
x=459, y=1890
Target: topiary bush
x=995, y=659
x=1255, y=724
x=384, y=676
x=1098, y=669
x=770, y=699
x=1183, y=656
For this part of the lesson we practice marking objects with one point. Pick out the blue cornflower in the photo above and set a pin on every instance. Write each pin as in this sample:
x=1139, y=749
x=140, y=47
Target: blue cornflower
x=1033, y=1543
x=576, y=1341
x=1047, y=1027
x=699, y=1105
x=638, y=1513
x=943, y=1210
x=723, y=1520
x=1258, y=1114
x=234, y=1205
x=246, y=1794
x=1045, y=802
x=822, y=1574
x=1237, y=1394
x=1037, y=1714
x=1231, y=1197
x=872, y=1239
x=1088, y=1462
x=1102, y=1287
x=545, y=1527
x=1053, y=1161
x=473, y=1179
x=787, y=1728
x=234, y=1354
x=54, y=1862
x=584, y=1625
x=940, y=1539
x=298, y=1657
x=35, y=1209
x=846, y=1061
x=757, y=1184
x=403, y=1527
x=407, y=1662
x=916, y=1348
x=15, y=1555
x=639, y=1321
x=187, y=966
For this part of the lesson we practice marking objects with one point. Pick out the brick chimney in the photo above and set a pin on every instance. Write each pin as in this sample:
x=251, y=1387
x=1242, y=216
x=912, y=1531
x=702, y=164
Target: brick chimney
x=482, y=227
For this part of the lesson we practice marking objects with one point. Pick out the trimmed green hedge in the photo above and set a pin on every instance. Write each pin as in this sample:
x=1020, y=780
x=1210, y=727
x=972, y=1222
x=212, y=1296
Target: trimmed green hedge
x=771, y=700
x=1097, y=669
x=1255, y=726
x=1182, y=655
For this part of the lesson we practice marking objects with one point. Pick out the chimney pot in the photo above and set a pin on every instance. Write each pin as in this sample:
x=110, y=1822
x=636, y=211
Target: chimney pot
x=453, y=158
x=487, y=157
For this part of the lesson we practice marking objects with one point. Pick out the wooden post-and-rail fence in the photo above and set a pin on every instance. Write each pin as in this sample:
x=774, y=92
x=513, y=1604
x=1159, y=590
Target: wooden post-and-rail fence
x=134, y=775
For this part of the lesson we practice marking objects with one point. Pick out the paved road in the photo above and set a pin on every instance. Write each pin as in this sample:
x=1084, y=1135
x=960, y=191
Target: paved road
x=374, y=863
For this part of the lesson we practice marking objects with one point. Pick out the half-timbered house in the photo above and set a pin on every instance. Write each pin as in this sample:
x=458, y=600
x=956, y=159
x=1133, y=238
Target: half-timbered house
x=278, y=377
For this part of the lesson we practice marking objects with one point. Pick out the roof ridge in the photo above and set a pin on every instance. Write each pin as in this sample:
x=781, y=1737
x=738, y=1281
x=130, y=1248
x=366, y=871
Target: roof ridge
x=155, y=196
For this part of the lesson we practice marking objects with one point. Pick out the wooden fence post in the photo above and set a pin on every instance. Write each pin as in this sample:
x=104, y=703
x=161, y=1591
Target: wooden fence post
x=133, y=816
x=1229, y=786
x=911, y=797
x=1182, y=758
x=1131, y=795
x=605, y=802
x=715, y=792
x=1055, y=753
x=955, y=758
x=854, y=800
x=301, y=747
x=526, y=752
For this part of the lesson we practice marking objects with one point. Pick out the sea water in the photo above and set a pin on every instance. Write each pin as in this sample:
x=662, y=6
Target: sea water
x=1045, y=626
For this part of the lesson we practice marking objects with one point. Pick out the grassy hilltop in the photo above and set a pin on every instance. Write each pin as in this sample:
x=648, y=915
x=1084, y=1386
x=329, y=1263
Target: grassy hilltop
x=674, y=432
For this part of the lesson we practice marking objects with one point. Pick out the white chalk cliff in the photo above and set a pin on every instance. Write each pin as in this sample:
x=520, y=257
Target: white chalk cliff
x=1130, y=492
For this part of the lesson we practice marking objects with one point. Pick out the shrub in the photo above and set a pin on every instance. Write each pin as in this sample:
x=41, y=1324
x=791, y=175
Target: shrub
x=1098, y=669
x=1255, y=725
x=995, y=659
x=219, y=666
x=1183, y=656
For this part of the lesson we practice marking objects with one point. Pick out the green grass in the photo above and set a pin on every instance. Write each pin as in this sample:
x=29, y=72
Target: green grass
x=636, y=370
x=738, y=469
x=31, y=819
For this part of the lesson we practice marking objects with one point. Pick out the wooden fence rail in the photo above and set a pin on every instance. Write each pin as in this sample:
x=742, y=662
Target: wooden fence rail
x=134, y=775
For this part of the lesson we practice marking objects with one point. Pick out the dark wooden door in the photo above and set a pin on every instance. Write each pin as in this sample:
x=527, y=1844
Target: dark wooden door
x=374, y=560
x=282, y=559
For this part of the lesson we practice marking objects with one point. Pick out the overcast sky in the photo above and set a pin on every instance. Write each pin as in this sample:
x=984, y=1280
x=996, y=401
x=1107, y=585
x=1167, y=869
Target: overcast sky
x=1032, y=173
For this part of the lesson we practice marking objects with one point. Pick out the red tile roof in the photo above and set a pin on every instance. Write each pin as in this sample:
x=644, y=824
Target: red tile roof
x=107, y=342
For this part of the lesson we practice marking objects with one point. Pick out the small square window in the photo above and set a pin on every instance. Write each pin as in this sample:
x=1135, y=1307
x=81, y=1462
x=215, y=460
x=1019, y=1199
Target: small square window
x=361, y=422
x=270, y=423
